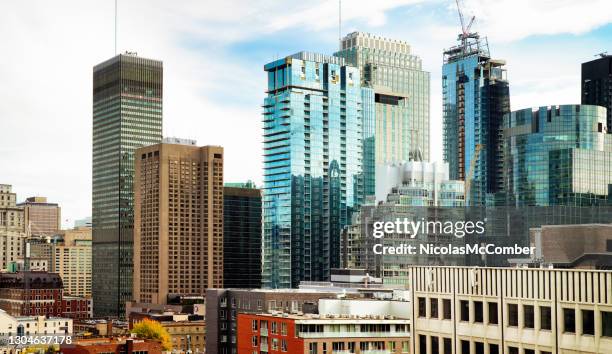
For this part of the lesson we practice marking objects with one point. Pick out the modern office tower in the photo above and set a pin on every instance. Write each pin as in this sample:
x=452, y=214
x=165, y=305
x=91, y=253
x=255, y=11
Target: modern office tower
x=12, y=227
x=597, y=84
x=72, y=261
x=559, y=155
x=476, y=95
x=396, y=113
x=510, y=310
x=127, y=114
x=242, y=236
x=178, y=221
x=419, y=183
x=312, y=165
x=42, y=218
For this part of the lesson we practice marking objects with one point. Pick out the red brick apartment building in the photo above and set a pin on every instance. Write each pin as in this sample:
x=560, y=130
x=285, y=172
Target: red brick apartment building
x=321, y=334
x=112, y=346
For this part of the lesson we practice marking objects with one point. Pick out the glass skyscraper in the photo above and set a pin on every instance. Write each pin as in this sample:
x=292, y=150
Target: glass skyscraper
x=313, y=176
x=396, y=111
x=476, y=95
x=127, y=114
x=559, y=155
x=597, y=84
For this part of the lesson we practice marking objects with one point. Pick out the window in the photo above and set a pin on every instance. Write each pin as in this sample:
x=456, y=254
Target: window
x=513, y=315
x=435, y=345
x=422, y=344
x=478, y=311
x=446, y=309
x=448, y=346
x=465, y=347
x=254, y=341
x=254, y=325
x=464, y=307
x=422, y=309
x=274, y=343
x=545, y=321
x=606, y=323
x=493, y=313
x=588, y=322
x=312, y=348
x=544, y=352
x=433, y=308
x=513, y=350
x=569, y=320
x=479, y=347
x=528, y=316
x=493, y=349
x=529, y=351
x=273, y=329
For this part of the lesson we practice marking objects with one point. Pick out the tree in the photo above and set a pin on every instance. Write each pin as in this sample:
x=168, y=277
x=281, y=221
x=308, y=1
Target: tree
x=149, y=329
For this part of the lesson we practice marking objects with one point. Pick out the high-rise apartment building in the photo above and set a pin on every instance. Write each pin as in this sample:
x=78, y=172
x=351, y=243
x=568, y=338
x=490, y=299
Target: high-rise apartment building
x=242, y=236
x=312, y=165
x=12, y=227
x=127, y=114
x=597, y=84
x=178, y=221
x=71, y=259
x=476, y=96
x=42, y=218
x=396, y=113
x=559, y=155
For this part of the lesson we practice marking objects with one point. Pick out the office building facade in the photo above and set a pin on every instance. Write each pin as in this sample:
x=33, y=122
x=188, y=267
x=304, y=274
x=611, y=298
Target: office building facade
x=597, y=84
x=396, y=111
x=312, y=165
x=242, y=237
x=475, y=95
x=508, y=310
x=41, y=217
x=71, y=259
x=127, y=114
x=178, y=221
x=558, y=155
x=12, y=227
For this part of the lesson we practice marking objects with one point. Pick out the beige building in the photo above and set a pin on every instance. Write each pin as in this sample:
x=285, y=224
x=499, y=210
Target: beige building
x=461, y=310
x=178, y=220
x=43, y=218
x=72, y=261
x=12, y=227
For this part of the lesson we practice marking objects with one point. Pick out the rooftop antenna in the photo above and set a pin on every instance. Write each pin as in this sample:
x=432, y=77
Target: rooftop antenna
x=115, y=27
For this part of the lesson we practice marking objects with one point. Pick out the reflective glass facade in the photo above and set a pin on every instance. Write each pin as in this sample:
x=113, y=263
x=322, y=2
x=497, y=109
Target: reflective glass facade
x=312, y=165
x=597, y=84
x=396, y=116
x=476, y=95
x=558, y=155
x=127, y=114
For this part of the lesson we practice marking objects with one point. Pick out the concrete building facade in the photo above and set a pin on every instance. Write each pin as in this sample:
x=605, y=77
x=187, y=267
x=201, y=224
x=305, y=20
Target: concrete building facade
x=178, y=221
x=72, y=261
x=12, y=227
x=41, y=217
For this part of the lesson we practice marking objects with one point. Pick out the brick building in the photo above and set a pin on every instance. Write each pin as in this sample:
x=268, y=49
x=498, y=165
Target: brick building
x=187, y=332
x=112, y=346
x=31, y=293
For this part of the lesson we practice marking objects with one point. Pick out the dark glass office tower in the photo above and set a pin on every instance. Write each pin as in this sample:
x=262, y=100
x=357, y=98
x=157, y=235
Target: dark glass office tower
x=241, y=236
x=127, y=114
x=597, y=84
x=476, y=95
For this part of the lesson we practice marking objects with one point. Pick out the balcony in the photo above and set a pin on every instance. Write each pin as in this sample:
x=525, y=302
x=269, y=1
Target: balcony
x=263, y=347
x=263, y=332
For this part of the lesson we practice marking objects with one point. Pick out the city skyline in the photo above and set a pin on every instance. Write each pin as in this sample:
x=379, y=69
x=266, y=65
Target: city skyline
x=540, y=55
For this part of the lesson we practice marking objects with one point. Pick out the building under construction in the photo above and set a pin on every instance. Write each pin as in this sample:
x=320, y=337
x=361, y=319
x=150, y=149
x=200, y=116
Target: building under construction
x=476, y=96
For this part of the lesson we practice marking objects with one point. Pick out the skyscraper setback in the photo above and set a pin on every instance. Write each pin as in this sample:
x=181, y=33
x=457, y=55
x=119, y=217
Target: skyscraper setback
x=312, y=165
x=127, y=114
x=476, y=95
x=178, y=221
x=396, y=116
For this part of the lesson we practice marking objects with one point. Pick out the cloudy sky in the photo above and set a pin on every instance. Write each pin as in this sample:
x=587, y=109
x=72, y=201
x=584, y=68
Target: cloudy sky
x=213, y=54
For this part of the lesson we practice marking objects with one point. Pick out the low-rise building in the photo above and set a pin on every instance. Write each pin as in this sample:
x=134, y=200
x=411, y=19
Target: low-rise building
x=482, y=310
x=313, y=333
x=187, y=332
x=113, y=345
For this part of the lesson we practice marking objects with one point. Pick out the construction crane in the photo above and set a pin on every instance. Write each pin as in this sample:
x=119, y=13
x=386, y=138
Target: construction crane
x=470, y=175
x=465, y=28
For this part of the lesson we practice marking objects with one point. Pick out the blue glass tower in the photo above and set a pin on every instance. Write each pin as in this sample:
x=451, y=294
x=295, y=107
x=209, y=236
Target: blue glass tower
x=476, y=96
x=313, y=178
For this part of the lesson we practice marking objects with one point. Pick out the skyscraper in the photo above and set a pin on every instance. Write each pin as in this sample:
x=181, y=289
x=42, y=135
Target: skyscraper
x=127, y=114
x=178, y=220
x=312, y=165
x=396, y=122
x=241, y=236
x=476, y=96
x=597, y=84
